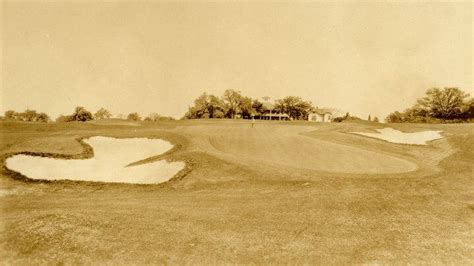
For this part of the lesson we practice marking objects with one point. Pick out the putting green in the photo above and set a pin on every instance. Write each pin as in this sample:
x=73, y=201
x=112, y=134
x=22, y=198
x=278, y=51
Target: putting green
x=274, y=145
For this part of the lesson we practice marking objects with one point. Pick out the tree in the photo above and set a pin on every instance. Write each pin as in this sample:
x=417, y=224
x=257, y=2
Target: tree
x=10, y=115
x=245, y=107
x=376, y=119
x=206, y=106
x=369, y=119
x=154, y=117
x=346, y=117
x=395, y=117
x=232, y=101
x=201, y=106
x=413, y=115
x=443, y=104
x=294, y=106
x=81, y=114
x=437, y=106
x=102, y=114
x=29, y=115
x=258, y=107
x=218, y=114
x=64, y=118
x=134, y=117
x=468, y=110
x=42, y=117
x=215, y=106
x=233, y=104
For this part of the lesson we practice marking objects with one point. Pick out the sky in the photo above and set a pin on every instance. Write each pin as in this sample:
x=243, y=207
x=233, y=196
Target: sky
x=154, y=56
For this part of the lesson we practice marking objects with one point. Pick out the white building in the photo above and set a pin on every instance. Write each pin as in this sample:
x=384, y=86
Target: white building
x=320, y=115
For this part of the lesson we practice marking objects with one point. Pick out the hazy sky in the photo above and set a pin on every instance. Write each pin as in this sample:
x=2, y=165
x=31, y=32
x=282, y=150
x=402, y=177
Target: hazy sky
x=158, y=57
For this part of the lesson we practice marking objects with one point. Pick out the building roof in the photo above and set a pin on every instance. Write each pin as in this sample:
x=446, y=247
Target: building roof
x=276, y=115
x=321, y=111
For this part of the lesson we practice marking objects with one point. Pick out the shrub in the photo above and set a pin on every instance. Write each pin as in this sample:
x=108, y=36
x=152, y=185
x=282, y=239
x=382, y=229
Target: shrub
x=218, y=114
x=134, y=117
x=81, y=114
x=63, y=118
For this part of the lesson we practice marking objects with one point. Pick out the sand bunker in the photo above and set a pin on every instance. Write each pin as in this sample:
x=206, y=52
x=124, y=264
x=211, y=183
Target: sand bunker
x=109, y=164
x=395, y=136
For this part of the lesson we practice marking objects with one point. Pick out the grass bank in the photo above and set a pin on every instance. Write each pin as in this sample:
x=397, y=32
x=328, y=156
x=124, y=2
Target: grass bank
x=231, y=209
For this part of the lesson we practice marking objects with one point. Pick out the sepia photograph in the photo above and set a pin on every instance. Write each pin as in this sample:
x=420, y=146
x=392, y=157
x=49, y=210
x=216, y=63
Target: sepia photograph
x=248, y=132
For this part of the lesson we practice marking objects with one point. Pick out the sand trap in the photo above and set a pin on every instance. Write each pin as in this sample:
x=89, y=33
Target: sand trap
x=111, y=156
x=395, y=136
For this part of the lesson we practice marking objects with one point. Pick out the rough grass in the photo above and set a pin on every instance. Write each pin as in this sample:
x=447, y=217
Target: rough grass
x=231, y=211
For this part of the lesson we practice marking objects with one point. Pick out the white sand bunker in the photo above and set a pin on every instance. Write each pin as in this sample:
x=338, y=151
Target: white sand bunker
x=395, y=136
x=111, y=156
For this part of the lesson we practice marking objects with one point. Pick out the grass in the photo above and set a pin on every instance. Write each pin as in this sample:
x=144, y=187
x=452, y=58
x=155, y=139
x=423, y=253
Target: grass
x=239, y=204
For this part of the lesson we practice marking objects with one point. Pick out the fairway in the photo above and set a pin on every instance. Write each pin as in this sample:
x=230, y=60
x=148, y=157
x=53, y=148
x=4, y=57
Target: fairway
x=292, y=192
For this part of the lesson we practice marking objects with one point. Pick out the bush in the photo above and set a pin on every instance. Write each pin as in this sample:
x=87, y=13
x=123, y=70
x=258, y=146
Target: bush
x=218, y=114
x=134, y=117
x=347, y=117
x=82, y=115
x=63, y=118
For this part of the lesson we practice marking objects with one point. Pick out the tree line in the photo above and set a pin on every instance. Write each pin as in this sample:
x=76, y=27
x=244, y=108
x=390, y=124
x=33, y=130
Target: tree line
x=28, y=116
x=447, y=105
x=232, y=104
x=80, y=114
x=437, y=106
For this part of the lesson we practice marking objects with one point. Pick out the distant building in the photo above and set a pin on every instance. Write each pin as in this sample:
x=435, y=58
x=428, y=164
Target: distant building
x=320, y=115
x=273, y=116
